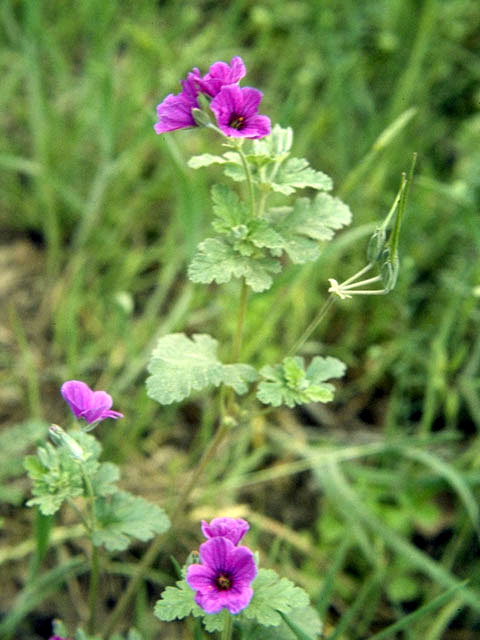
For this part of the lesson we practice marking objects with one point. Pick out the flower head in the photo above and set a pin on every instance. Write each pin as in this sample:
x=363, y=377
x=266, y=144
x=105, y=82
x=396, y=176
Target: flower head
x=222, y=580
x=175, y=111
x=236, y=111
x=232, y=528
x=219, y=75
x=92, y=406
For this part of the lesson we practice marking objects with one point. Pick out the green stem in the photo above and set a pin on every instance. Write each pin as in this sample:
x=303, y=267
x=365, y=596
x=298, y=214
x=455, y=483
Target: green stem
x=227, y=626
x=238, y=338
x=248, y=175
x=94, y=560
x=312, y=326
x=93, y=590
x=237, y=342
x=80, y=515
x=156, y=545
x=398, y=219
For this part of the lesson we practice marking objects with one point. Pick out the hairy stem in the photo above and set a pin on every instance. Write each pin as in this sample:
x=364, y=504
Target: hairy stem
x=248, y=175
x=227, y=626
x=312, y=326
x=238, y=338
x=94, y=561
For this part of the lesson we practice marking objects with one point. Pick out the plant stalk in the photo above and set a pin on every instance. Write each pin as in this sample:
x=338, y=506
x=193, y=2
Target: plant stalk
x=248, y=175
x=312, y=326
x=227, y=626
x=238, y=339
x=94, y=560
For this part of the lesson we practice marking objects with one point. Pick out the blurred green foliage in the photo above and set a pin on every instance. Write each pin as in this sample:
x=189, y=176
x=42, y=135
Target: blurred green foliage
x=116, y=215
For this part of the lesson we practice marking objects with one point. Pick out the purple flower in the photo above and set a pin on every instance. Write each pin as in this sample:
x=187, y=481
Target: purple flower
x=223, y=579
x=92, y=406
x=232, y=528
x=175, y=111
x=57, y=638
x=236, y=111
x=219, y=75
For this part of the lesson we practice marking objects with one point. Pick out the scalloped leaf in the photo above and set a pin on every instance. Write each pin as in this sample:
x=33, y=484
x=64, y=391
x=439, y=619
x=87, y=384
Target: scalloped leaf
x=296, y=173
x=278, y=143
x=217, y=261
x=272, y=596
x=228, y=209
x=180, y=365
x=305, y=621
x=103, y=482
x=176, y=602
x=205, y=160
x=311, y=221
x=124, y=516
x=290, y=384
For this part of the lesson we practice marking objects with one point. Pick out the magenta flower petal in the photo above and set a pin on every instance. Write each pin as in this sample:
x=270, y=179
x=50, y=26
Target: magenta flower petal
x=200, y=576
x=232, y=528
x=223, y=579
x=235, y=109
x=221, y=74
x=77, y=394
x=175, y=112
x=92, y=406
x=234, y=600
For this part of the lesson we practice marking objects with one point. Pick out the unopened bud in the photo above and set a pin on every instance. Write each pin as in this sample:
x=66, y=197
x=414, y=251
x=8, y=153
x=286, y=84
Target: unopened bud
x=240, y=231
x=193, y=558
x=376, y=244
x=229, y=422
x=201, y=118
x=389, y=272
x=61, y=438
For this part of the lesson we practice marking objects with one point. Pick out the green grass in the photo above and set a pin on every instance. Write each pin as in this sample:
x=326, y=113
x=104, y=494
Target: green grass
x=391, y=470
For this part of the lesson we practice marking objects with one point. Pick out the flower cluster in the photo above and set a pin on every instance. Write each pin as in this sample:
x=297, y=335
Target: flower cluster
x=92, y=406
x=223, y=579
x=235, y=108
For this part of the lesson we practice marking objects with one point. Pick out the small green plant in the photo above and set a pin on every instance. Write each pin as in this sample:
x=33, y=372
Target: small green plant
x=254, y=240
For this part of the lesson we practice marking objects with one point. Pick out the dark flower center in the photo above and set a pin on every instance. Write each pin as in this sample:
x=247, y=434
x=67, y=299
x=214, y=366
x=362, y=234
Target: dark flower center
x=236, y=121
x=223, y=581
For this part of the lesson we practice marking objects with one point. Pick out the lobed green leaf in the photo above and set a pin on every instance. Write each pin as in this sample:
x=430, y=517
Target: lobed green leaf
x=228, y=209
x=308, y=222
x=272, y=596
x=176, y=603
x=217, y=261
x=296, y=173
x=123, y=516
x=180, y=365
x=290, y=384
x=205, y=160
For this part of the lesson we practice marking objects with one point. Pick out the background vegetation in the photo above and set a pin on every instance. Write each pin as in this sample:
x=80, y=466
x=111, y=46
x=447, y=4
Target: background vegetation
x=371, y=503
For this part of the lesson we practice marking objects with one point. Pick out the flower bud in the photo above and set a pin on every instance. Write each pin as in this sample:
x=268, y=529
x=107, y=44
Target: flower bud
x=376, y=244
x=389, y=272
x=61, y=438
x=201, y=118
